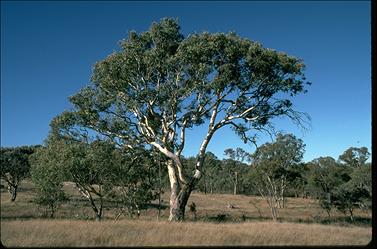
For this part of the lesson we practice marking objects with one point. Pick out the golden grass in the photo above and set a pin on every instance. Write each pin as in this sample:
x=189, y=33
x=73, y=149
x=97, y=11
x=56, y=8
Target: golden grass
x=152, y=233
x=21, y=223
x=210, y=205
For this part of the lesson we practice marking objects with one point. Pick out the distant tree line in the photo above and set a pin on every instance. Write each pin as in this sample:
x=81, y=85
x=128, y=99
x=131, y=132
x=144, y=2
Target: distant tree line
x=100, y=170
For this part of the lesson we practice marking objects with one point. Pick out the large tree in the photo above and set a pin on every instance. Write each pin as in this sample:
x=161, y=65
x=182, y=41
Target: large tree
x=161, y=83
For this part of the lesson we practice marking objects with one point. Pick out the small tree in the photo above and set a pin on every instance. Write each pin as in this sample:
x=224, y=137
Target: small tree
x=347, y=197
x=88, y=164
x=361, y=178
x=265, y=186
x=356, y=190
x=271, y=164
x=15, y=166
x=238, y=155
x=324, y=176
x=48, y=179
x=135, y=179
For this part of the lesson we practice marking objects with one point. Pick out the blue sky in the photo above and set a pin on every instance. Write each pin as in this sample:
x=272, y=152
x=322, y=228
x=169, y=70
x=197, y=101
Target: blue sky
x=48, y=50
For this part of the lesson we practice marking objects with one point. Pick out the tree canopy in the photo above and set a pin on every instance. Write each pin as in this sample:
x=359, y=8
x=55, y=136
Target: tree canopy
x=161, y=83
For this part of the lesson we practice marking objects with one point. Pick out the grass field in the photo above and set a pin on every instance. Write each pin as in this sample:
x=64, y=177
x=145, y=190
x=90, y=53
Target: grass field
x=302, y=222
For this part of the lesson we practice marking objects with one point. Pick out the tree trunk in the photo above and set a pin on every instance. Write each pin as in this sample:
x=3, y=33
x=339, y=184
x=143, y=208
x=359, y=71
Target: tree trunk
x=205, y=188
x=273, y=212
x=178, y=204
x=13, y=192
x=180, y=193
x=235, y=183
x=159, y=189
x=351, y=214
x=272, y=203
x=52, y=211
x=97, y=211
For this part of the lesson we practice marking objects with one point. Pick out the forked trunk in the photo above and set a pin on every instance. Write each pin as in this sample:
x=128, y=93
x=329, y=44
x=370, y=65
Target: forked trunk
x=179, y=195
x=178, y=204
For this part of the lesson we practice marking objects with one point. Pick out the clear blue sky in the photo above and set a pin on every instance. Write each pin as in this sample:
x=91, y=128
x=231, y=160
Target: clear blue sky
x=48, y=50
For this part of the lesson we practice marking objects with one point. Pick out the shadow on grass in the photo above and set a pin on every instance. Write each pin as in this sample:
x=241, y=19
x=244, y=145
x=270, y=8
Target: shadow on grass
x=345, y=221
x=20, y=217
x=339, y=221
x=224, y=218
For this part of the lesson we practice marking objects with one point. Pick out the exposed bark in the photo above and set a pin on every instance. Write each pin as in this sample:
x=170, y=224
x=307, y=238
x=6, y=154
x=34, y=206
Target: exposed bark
x=12, y=189
x=174, y=188
x=235, y=183
x=180, y=192
x=97, y=210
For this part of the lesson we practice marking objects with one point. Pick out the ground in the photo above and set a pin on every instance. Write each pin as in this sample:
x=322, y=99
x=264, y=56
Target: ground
x=302, y=222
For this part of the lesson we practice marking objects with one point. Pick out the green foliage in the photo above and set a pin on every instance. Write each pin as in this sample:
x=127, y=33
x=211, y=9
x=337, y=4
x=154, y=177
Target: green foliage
x=345, y=185
x=239, y=154
x=355, y=157
x=279, y=160
x=48, y=179
x=326, y=174
x=15, y=166
x=348, y=196
x=80, y=164
x=161, y=83
x=357, y=191
x=135, y=179
x=272, y=168
x=99, y=170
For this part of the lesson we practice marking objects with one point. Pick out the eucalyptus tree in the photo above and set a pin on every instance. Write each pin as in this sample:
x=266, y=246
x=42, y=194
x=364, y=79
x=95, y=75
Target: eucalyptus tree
x=272, y=163
x=357, y=191
x=15, y=166
x=324, y=177
x=89, y=165
x=355, y=157
x=240, y=155
x=135, y=179
x=162, y=83
x=277, y=160
x=48, y=178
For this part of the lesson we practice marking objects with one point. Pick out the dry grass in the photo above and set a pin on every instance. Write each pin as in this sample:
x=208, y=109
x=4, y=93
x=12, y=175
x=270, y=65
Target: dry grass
x=21, y=224
x=208, y=206
x=153, y=233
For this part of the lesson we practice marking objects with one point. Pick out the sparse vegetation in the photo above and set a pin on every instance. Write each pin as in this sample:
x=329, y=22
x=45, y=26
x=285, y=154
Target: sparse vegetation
x=22, y=223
